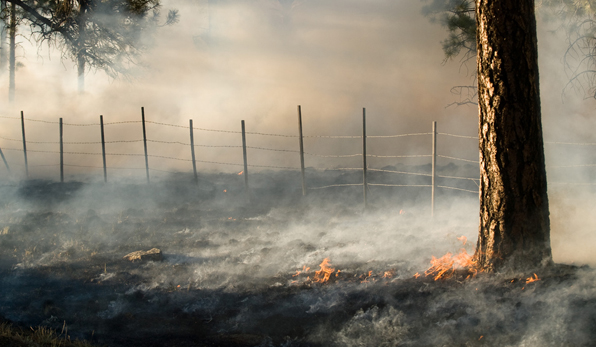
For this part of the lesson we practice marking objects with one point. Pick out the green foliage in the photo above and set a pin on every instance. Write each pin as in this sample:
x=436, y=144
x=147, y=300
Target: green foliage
x=101, y=34
x=457, y=16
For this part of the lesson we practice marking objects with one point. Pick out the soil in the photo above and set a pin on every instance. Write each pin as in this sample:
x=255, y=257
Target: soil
x=235, y=273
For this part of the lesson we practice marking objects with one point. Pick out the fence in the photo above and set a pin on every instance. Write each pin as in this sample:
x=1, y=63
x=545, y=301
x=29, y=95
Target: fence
x=300, y=153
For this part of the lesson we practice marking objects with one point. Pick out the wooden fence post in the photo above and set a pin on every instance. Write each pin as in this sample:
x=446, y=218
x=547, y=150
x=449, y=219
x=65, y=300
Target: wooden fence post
x=145, y=143
x=433, y=168
x=364, y=168
x=24, y=145
x=61, y=152
x=192, y=152
x=245, y=172
x=103, y=150
x=301, y=140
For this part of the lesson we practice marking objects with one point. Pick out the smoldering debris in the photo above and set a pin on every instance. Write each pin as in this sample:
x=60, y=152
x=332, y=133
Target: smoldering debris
x=239, y=274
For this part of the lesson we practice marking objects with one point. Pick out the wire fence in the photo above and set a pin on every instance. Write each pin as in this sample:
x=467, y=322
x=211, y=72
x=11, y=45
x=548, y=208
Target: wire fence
x=429, y=177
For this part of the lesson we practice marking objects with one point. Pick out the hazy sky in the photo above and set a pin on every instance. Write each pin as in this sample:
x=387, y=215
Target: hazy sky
x=257, y=60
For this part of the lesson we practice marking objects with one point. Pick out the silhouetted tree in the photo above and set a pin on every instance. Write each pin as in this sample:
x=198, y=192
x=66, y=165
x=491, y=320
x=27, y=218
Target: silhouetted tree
x=101, y=34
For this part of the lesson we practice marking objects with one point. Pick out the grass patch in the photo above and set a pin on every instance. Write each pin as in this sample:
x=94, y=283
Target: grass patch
x=11, y=336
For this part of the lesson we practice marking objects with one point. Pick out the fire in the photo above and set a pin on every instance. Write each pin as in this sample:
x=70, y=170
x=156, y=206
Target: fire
x=225, y=190
x=240, y=173
x=304, y=269
x=324, y=273
x=532, y=279
x=389, y=274
x=402, y=211
x=416, y=275
x=463, y=239
x=445, y=267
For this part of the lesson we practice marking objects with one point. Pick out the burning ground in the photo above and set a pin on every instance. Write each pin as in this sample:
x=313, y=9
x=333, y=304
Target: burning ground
x=279, y=271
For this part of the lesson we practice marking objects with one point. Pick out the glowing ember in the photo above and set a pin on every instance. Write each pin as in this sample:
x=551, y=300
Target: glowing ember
x=532, y=279
x=240, y=173
x=445, y=267
x=324, y=273
x=416, y=275
x=389, y=274
x=402, y=211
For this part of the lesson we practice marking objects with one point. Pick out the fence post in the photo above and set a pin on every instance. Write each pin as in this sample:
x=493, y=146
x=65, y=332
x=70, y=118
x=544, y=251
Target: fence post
x=301, y=150
x=192, y=152
x=61, y=152
x=145, y=143
x=364, y=168
x=24, y=145
x=245, y=173
x=103, y=150
x=5, y=162
x=433, y=168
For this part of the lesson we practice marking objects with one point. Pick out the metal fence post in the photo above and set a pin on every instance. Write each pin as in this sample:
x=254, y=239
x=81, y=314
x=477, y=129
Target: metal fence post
x=364, y=166
x=24, y=145
x=433, y=168
x=103, y=150
x=301, y=141
x=192, y=152
x=245, y=173
x=61, y=152
x=145, y=143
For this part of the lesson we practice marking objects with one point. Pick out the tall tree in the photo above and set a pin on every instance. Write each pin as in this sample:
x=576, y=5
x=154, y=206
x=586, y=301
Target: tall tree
x=514, y=216
x=12, y=33
x=100, y=34
x=3, y=46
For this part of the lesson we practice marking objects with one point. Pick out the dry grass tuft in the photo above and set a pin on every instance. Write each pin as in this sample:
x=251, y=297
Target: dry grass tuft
x=36, y=337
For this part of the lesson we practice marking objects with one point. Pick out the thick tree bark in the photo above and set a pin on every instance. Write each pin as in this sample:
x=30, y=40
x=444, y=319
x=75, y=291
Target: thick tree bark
x=514, y=227
x=12, y=33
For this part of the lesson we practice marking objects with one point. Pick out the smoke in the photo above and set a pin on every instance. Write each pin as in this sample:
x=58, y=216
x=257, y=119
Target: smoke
x=227, y=61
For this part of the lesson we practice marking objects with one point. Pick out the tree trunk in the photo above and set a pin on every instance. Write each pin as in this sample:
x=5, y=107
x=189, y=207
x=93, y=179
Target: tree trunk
x=514, y=230
x=12, y=33
x=3, y=46
x=81, y=51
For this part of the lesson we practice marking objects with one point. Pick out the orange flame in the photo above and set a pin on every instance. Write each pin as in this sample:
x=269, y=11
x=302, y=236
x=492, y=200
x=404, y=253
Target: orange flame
x=416, y=275
x=532, y=279
x=463, y=239
x=304, y=269
x=324, y=273
x=240, y=173
x=444, y=267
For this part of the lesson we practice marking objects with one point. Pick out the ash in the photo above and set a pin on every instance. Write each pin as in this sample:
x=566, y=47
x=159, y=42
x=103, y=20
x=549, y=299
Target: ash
x=239, y=273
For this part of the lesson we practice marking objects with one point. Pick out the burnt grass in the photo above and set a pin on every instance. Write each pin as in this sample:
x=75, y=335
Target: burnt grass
x=61, y=265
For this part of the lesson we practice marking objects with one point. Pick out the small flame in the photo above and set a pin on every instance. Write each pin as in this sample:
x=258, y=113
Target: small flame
x=463, y=239
x=532, y=279
x=402, y=211
x=416, y=275
x=324, y=273
x=304, y=269
x=444, y=267
x=225, y=190
x=240, y=173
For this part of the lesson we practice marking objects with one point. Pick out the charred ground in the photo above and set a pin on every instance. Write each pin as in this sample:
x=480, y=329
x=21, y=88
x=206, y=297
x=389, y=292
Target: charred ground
x=234, y=273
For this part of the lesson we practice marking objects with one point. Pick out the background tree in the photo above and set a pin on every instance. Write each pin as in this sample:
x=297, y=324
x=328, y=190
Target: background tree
x=99, y=34
x=3, y=31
